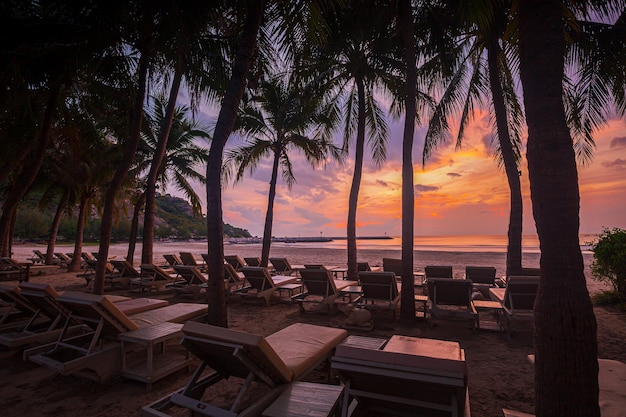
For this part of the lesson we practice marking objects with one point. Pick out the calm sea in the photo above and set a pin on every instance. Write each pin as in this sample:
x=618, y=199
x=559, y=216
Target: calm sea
x=465, y=243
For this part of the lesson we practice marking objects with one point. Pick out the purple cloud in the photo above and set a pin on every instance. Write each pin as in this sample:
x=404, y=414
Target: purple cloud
x=453, y=174
x=618, y=163
x=383, y=183
x=618, y=142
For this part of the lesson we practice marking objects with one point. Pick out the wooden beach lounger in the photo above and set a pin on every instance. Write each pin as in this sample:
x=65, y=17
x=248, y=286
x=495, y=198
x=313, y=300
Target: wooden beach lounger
x=451, y=299
x=274, y=361
x=262, y=284
x=99, y=354
x=517, y=299
x=320, y=287
x=43, y=298
x=409, y=377
x=379, y=290
x=235, y=261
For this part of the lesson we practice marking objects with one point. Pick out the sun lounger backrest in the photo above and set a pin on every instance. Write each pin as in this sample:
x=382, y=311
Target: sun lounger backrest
x=93, y=308
x=481, y=274
x=235, y=261
x=221, y=347
x=12, y=296
x=231, y=274
x=438, y=271
x=521, y=292
x=379, y=285
x=281, y=264
x=258, y=277
x=253, y=261
x=43, y=296
x=363, y=266
x=188, y=259
x=393, y=265
x=190, y=274
x=448, y=291
x=172, y=259
x=318, y=281
x=125, y=268
x=432, y=381
x=158, y=273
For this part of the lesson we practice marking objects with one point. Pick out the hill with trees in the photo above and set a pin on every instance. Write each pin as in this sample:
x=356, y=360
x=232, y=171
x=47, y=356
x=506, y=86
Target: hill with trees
x=174, y=220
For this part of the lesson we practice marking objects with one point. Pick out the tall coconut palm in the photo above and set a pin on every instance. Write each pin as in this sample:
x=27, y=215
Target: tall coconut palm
x=290, y=22
x=356, y=65
x=483, y=70
x=282, y=118
x=179, y=163
x=566, y=350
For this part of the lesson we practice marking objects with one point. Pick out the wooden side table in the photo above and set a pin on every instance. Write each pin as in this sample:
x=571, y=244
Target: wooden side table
x=486, y=305
x=306, y=399
x=423, y=299
x=157, y=364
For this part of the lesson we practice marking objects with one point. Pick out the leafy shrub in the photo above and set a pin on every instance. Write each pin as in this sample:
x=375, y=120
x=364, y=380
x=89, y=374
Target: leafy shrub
x=609, y=259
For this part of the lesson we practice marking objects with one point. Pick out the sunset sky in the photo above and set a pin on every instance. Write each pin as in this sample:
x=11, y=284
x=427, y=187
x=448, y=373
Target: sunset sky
x=458, y=192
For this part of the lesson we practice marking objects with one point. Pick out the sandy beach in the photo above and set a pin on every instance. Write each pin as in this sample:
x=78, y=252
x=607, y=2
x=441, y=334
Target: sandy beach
x=499, y=373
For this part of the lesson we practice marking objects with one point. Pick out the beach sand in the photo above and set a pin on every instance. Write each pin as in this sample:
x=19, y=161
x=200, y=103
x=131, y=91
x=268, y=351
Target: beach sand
x=499, y=372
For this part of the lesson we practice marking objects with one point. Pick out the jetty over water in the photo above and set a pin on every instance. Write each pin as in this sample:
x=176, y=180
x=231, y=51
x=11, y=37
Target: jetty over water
x=300, y=239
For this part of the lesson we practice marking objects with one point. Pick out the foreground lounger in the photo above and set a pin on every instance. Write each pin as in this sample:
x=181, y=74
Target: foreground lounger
x=409, y=377
x=274, y=361
x=43, y=298
x=98, y=355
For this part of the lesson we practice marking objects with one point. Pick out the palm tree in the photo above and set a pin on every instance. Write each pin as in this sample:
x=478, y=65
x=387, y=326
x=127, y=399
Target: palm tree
x=289, y=22
x=566, y=350
x=355, y=62
x=181, y=157
x=484, y=70
x=282, y=118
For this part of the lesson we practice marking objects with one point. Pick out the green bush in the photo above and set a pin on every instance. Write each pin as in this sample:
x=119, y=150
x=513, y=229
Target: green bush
x=609, y=259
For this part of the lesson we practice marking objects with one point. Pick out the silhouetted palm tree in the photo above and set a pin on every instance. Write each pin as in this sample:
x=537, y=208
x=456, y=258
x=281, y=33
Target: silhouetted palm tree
x=181, y=159
x=281, y=119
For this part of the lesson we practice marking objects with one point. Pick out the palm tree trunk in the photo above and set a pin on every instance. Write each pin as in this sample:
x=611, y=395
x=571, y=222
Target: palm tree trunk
x=134, y=225
x=566, y=349
x=28, y=175
x=74, y=266
x=157, y=160
x=514, y=247
x=217, y=314
x=353, y=273
x=405, y=21
x=269, y=216
x=130, y=148
x=54, y=228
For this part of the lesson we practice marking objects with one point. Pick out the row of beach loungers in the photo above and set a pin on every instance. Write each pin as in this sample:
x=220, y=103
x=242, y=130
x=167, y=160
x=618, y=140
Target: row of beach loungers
x=443, y=297
x=100, y=336
x=96, y=337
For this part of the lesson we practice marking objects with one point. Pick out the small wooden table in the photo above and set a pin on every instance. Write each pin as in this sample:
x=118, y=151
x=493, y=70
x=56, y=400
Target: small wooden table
x=156, y=366
x=351, y=290
x=291, y=290
x=306, y=399
x=485, y=305
x=423, y=299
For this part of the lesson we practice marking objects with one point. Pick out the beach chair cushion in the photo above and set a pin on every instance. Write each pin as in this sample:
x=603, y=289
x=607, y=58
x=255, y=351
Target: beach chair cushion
x=254, y=345
x=174, y=313
x=37, y=287
x=97, y=306
x=302, y=346
x=138, y=305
